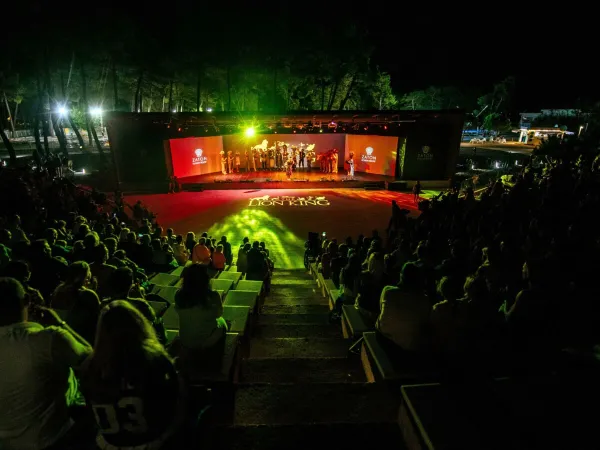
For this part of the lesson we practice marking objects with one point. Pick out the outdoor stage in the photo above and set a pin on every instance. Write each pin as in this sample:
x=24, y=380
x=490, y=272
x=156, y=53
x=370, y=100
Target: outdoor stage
x=267, y=179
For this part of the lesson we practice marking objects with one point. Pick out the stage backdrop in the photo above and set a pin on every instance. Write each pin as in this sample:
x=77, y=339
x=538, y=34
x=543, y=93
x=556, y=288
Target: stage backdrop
x=322, y=142
x=195, y=155
x=373, y=154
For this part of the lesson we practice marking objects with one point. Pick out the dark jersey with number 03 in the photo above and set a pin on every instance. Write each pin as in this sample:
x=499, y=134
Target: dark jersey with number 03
x=133, y=412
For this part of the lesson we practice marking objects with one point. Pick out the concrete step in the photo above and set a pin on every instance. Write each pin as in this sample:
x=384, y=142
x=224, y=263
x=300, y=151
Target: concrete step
x=295, y=301
x=292, y=404
x=295, y=309
x=297, y=330
x=299, y=348
x=287, y=290
x=302, y=437
x=304, y=370
x=291, y=319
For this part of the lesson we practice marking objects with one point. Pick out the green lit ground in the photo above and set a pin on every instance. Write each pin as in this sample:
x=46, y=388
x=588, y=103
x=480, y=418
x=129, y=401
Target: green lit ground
x=345, y=212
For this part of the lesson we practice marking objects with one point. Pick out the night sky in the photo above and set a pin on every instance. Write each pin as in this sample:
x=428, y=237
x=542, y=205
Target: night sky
x=549, y=52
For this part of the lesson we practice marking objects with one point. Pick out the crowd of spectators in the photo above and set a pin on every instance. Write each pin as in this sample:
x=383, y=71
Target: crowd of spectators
x=83, y=355
x=508, y=279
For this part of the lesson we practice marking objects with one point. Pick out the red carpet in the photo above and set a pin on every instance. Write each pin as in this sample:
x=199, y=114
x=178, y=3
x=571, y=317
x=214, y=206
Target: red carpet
x=283, y=226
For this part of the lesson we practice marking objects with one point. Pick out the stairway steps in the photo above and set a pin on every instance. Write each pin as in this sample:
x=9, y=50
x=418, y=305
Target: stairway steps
x=283, y=404
x=296, y=331
x=291, y=319
x=298, y=348
x=271, y=309
x=294, y=291
x=303, y=370
x=303, y=436
x=295, y=301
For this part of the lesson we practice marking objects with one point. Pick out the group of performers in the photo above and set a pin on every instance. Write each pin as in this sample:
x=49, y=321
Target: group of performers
x=280, y=157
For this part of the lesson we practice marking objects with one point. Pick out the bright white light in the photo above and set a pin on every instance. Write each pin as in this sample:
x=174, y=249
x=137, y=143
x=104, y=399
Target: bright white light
x=208, y=109
x=96, y=111
x=62, y=110
x=472, y=166
x=174, y=110
x=497, y=165
x=82, y=170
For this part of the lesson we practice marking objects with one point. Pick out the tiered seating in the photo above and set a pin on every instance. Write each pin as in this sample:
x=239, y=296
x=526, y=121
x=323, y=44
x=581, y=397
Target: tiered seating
x=354, y=324
x=241, y=300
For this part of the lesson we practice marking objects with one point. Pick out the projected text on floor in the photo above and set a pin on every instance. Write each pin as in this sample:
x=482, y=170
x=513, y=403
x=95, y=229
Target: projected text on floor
x=285, y=200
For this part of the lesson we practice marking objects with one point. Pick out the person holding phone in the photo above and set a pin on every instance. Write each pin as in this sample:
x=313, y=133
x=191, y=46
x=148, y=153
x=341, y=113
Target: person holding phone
x=41, y=378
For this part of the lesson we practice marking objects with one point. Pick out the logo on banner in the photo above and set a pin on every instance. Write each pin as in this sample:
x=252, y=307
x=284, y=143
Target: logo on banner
x=199, y=159
x=285, y=200
x=368, y=156
x=425, y=153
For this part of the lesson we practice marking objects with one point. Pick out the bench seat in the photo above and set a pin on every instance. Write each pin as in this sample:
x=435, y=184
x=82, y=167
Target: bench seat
x=381, y=363
x=354, y=324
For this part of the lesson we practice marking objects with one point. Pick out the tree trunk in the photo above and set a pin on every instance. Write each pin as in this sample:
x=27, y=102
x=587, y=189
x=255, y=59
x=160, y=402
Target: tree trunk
x=88, y=117
x=228, y=88
x=58, y=130
x=64, y=96
x=138, y=92
x=44, y=123
x=36, y=134
x=14, y=116
x=322, y=95
x=37, y=150
x=198, y=84
x=12, y=119
x=9, y=147
x=115, y=81
x=332, y=94
x=171, y=96
x=348, y=92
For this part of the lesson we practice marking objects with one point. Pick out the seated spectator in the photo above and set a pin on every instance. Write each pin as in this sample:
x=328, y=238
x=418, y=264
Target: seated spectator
x=19, y=270
x=37, y=385
x=76, y=299
x=201, y=323
x=124, y=288
x=257, y=264
x=218, y=259
x=102, y=271
x=180, y=252
x=449, y=318
x=51, y=236
x=130, y=382
x=405, y=311
x=111, y=246
x=201, y=253
x=227, y=250
x=46, y=271
x=242, y=258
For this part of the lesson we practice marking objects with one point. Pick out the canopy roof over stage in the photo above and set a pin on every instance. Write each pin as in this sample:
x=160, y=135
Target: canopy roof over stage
x=231, y=122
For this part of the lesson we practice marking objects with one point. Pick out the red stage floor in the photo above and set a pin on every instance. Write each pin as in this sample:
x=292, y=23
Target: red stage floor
x=282, y=224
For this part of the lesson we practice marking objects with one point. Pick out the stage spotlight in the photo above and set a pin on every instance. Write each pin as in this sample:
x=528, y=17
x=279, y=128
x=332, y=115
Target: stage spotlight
x=250, y=132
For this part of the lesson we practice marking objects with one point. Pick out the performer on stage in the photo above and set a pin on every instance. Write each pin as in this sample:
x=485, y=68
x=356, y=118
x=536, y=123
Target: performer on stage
x=223, y=163
x=350, y=163
x=302, y=156
x=237, y=162
x=230, y=161
x=247, y=161
x=289, y=167
x=335, y=161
